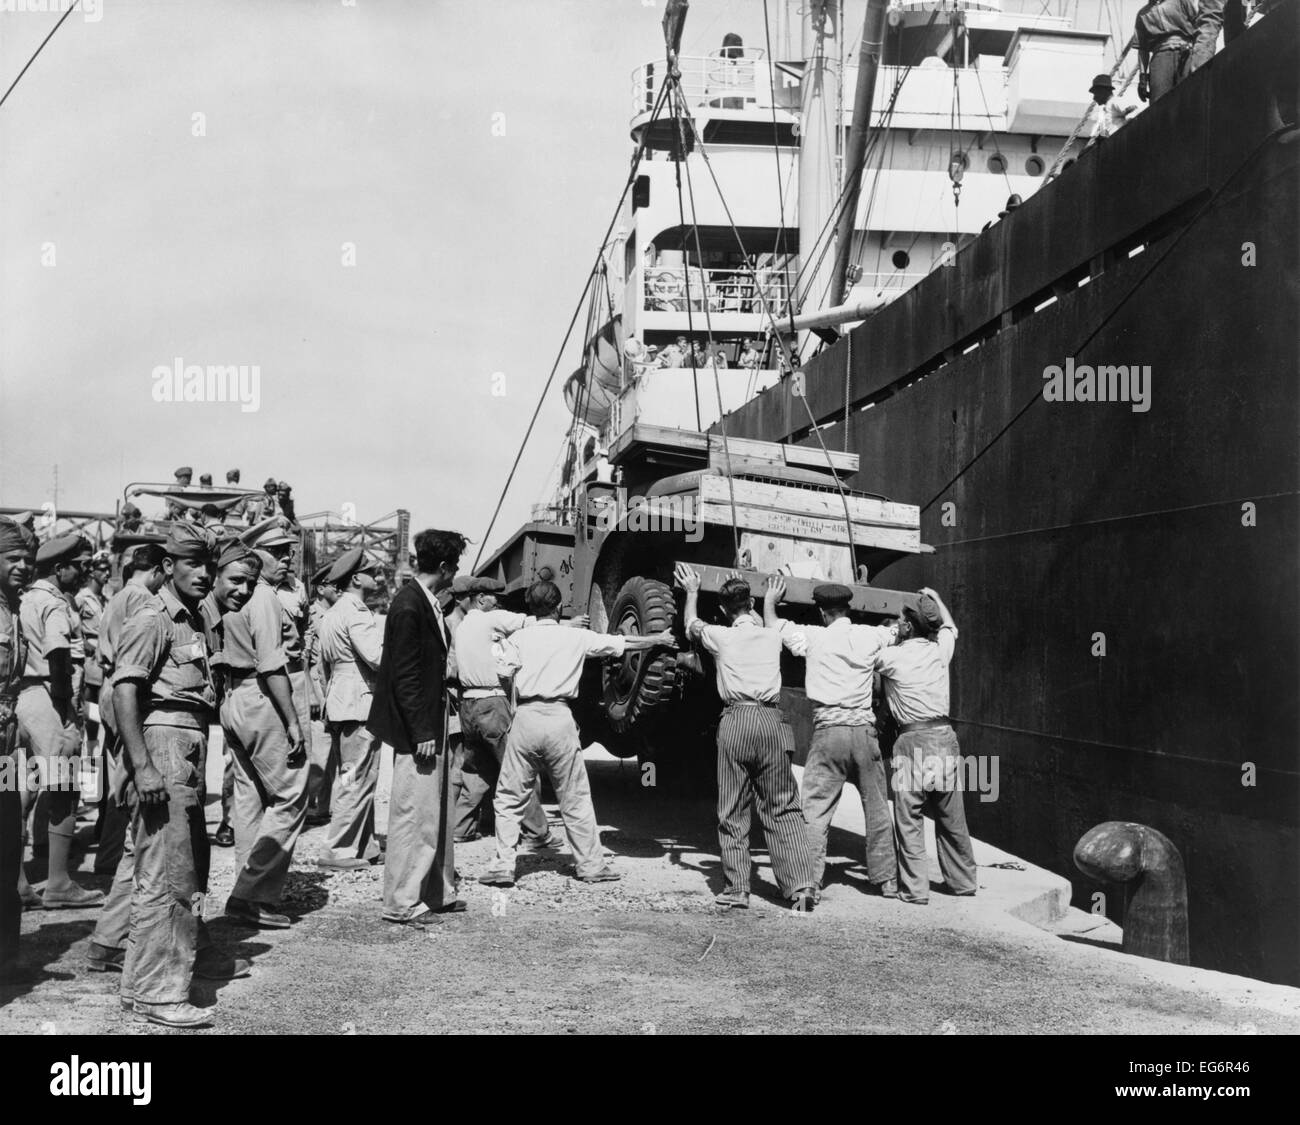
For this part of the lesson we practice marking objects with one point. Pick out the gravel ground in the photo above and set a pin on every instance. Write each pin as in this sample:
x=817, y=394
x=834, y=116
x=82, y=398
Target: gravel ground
x=648, y=955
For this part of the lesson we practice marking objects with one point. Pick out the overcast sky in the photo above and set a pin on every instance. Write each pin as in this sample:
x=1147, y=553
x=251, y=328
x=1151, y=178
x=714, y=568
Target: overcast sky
x=127, y=241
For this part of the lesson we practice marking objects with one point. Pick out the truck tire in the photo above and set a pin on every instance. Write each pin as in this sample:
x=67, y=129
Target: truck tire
x=639, y=688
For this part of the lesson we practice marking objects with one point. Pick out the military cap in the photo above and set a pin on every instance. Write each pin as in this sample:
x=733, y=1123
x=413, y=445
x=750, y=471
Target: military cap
x=63, y=549
x=232, y=474
x=346, y=565
x=267, y=534
x=233, y=551
x=832, y=594
x=1101, y=82
x=270, y=482
x=101, y=558
x=321, y=576
x=189, y=541
x=16, y=537
x=183, y=471
x=206, y=478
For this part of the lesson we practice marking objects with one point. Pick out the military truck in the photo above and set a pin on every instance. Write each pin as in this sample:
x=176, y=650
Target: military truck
x=671, y=495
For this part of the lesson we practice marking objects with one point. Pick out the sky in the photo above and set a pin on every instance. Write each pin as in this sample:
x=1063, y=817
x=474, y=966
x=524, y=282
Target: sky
x=389, y=207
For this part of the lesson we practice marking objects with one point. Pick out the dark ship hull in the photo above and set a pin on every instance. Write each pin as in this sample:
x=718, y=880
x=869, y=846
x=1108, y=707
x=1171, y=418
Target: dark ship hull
x=1173, y=531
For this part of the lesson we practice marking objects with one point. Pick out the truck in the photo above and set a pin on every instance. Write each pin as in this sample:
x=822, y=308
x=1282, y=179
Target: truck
x=662, y=496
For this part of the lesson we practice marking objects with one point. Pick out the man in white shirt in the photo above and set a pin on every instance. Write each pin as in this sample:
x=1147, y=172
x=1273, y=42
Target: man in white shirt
x=752, y=763
x=841, y=659
x=927, y=759
x=546, y=662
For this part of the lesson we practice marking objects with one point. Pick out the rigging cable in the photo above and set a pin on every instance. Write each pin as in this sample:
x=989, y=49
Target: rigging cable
x=618, y=207
x=71, y=8
x=677, y=109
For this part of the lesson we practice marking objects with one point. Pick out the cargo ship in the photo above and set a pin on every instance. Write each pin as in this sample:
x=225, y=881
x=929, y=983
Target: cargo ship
x=1064, y=357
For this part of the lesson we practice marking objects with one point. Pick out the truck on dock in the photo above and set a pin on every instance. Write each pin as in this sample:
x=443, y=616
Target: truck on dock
x=669, y=496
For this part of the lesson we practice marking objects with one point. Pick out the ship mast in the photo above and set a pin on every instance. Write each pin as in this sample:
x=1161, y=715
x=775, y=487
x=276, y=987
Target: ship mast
x=817, y=132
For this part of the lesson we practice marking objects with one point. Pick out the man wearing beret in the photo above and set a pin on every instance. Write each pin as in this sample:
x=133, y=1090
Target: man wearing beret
x=164, y=700
x=351, y=643
x=841, y=659
x=17, y=560
x=265, y=727
x=47, y=704
x=321, y=765
x=752, y=764
x=134, y=602
x=485, y=712
x=927, y=759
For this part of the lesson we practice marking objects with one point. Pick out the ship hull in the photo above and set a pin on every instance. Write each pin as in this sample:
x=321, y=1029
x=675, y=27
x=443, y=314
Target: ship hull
x=1125, y=580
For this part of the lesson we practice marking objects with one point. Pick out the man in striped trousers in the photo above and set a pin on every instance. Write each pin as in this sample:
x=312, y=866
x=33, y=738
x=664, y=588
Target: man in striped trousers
x=752, y=764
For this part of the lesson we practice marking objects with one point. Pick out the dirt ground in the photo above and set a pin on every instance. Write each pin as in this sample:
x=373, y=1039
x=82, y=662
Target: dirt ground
x=649, y=955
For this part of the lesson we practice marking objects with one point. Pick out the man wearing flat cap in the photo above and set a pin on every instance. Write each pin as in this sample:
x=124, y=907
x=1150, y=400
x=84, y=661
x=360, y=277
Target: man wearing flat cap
x=265, y=727
x=485, y=713
x=753, y=768
x=321, y=765
x=351, y=643
x=164, y=701
x=47, y=704
x=17, y=561
x=841, y=659
x=926, y=759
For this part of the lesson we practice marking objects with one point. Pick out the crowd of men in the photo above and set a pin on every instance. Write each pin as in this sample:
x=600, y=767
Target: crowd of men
x=210, y=628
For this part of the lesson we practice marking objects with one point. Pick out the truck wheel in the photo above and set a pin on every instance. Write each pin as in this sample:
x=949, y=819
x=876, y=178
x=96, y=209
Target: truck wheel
x=639, y=688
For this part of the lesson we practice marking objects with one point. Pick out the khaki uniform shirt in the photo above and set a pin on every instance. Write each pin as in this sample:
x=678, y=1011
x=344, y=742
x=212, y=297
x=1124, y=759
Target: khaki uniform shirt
x=164, y=644
x=47, y=623
x=351, y=642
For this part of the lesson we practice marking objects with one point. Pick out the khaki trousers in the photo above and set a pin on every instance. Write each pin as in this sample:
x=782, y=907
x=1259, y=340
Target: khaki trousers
x=351, y=831
x=420, y=861
x=544, y=738
x=270, y=798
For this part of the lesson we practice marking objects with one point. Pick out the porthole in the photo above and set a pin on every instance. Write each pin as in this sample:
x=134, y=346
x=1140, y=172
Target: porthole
x=997, y=163
x=1035, y=166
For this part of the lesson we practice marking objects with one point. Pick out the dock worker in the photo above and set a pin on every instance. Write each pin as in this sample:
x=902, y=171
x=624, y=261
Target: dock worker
x=546, y=662
x=47, y=707
x=753, y=767
x=840, y=658
x=17, y=564
x=164, y=700
x=926, y=758
x=264, y=727
x=485, y=714
x=351, y=643
x=142, y=578
x=409, y=712
x=145, y=576
x=321, y=765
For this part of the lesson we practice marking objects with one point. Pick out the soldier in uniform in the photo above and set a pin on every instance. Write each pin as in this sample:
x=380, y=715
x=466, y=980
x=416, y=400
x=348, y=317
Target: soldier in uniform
x=840, y=665
x=351, y=643
x=90, y=601
x=145, y=576
x=547, y=663
x=47, y=706
x=265, y=728
x=142, y=578
x=752, y=763
x=17, y=561
x=163, y=702
x=174, y=509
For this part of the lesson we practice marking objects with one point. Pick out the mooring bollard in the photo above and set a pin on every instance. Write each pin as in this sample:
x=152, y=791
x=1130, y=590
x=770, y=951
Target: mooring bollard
x=1148, y=865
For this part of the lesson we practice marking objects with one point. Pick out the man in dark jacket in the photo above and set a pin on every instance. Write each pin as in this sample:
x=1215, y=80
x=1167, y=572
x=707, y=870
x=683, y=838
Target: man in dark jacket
x=408, y=712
